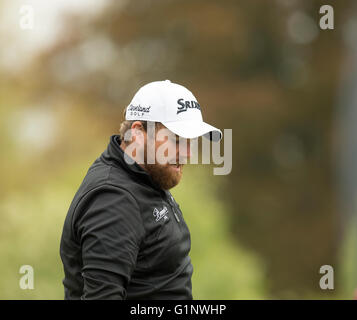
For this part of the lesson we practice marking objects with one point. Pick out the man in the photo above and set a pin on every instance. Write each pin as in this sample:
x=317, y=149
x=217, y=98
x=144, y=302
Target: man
x=124, y=236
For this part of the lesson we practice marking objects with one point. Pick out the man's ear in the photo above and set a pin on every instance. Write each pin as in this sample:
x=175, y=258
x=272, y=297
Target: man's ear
x=137, y=131
x=137, y=125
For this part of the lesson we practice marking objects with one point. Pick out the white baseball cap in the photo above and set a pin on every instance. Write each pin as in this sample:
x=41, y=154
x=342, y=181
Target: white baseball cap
x=174, y=106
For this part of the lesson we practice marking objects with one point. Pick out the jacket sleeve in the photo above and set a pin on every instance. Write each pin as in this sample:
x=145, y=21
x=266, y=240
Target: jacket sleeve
x=109, y=229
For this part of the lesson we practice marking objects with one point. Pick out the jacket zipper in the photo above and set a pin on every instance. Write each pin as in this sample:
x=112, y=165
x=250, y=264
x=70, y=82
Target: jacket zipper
x=177, y=218
x=173, y=207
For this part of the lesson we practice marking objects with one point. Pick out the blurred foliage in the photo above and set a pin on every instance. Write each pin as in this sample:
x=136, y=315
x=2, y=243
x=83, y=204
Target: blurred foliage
x=262, y=68
x=346, y=273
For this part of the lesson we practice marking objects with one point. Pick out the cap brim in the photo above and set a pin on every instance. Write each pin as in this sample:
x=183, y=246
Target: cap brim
x=194, y=129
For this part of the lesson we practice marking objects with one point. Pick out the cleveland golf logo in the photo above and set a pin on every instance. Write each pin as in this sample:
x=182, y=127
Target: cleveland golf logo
x=187, y=105
x=160, y=214
x=138, y=110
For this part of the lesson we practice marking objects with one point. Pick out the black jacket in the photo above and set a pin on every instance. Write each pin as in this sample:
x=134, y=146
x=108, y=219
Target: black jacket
x=124, y=237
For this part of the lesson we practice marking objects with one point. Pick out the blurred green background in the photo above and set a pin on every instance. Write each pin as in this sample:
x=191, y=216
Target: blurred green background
x=262, y=68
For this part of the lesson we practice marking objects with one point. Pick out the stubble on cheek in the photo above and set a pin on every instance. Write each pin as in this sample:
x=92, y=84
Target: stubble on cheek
x=166, y=176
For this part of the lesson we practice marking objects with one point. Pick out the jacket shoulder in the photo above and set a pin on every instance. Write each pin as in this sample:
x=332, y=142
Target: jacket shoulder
x=100, y=177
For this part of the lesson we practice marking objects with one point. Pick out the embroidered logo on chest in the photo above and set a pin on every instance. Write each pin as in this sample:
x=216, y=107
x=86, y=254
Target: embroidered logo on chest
x=159, y=214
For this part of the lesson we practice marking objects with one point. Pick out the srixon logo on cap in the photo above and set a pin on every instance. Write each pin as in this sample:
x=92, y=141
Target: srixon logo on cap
x=187, y=105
